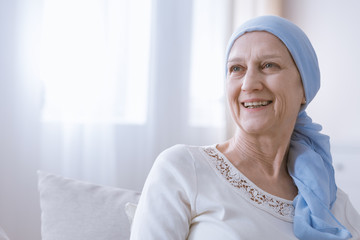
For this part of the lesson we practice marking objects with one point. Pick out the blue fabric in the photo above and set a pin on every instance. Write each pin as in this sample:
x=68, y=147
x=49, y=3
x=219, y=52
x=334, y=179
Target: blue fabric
x=309, y=160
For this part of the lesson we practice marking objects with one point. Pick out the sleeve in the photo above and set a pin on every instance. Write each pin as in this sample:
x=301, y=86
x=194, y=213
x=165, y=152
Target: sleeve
x=345, y=212
x=167, y=201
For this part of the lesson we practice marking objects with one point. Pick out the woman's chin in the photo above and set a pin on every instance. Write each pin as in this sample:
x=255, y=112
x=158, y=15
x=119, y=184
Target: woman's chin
x=256, y=127
x=255, y=130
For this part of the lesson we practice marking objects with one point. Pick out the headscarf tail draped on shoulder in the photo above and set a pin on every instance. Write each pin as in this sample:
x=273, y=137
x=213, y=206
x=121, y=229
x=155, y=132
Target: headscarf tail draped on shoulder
x=309, y=161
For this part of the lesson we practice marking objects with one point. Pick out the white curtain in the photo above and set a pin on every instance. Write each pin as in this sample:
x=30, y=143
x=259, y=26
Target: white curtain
x=20, y=101
x=95, y=68
x=96, y=89
x=123, y=80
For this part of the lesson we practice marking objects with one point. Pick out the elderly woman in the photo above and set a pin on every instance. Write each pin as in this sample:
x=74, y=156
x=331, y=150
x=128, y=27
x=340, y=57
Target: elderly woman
x=274, y=179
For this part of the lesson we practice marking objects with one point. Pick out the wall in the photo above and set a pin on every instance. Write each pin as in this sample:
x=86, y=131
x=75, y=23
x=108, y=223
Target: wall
x=331, y=26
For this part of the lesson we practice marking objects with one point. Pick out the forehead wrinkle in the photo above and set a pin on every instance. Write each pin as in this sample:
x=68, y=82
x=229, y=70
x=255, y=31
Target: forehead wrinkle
x=258, y=57
x=271, y=47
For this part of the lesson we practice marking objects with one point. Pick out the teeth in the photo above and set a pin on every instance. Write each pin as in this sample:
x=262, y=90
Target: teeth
x=256, y=104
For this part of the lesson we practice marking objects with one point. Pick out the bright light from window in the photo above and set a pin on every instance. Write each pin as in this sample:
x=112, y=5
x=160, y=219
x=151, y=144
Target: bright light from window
x=95, y=57
x=207, y=73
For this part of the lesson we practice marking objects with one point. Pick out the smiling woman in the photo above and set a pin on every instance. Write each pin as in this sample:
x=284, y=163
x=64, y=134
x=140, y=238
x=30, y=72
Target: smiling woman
x=184, y=97
x=261, y=68
x=274, y=177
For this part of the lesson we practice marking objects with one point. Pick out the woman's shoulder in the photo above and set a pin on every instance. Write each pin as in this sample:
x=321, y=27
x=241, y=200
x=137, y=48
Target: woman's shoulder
x=342, y=202
x=176, y=150
x=345, y=212
x=179, y=153
x=177, y=158
x=180, y=158
x=181, y=149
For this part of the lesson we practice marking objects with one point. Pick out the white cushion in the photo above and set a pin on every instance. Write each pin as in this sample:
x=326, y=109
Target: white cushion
x=76, y=210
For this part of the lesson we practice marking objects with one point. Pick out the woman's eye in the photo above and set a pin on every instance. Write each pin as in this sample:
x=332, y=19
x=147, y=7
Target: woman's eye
x=268, y=65
x=235, y=69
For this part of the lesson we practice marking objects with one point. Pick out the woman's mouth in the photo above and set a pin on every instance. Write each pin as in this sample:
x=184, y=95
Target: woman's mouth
x=256, y=104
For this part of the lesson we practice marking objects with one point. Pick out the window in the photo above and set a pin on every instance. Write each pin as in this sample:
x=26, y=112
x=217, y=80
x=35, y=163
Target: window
x=94, y=62
x=210, y=35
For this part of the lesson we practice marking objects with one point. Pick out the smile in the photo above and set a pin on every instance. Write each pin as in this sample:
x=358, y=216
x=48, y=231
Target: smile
x=256, y=104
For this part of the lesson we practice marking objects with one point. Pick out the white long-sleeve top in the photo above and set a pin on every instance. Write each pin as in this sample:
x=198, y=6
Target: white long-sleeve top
x=196, y=193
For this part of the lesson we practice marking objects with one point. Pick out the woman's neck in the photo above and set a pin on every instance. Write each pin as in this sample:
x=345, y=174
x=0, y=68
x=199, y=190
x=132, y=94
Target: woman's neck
x=263, y=160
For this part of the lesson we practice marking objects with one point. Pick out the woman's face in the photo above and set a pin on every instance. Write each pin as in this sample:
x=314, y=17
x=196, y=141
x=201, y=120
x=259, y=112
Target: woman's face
x=264, y=87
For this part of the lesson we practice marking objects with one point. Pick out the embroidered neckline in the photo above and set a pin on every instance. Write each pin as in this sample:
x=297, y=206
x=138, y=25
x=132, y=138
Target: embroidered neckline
x=276, y=206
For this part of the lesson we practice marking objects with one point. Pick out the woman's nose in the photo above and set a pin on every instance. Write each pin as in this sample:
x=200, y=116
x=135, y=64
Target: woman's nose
x=252, y=81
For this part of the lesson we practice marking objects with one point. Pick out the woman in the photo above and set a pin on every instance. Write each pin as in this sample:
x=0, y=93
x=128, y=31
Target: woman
x=274, y=179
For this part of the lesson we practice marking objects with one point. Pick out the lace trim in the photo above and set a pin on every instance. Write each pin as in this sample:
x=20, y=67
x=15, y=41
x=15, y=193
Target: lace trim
x=279, y=207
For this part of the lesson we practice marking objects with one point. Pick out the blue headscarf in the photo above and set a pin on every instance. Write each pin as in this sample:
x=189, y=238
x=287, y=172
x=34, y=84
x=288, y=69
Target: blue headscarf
x=309, y=159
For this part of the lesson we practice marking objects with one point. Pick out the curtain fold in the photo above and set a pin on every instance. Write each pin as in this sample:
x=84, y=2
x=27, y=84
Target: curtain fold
x=120, y=150
x=121, y=107
x=90, y=92
x=20, y=95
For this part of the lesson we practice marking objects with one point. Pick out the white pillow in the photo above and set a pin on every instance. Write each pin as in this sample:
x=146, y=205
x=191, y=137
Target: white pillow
x=76, y=210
